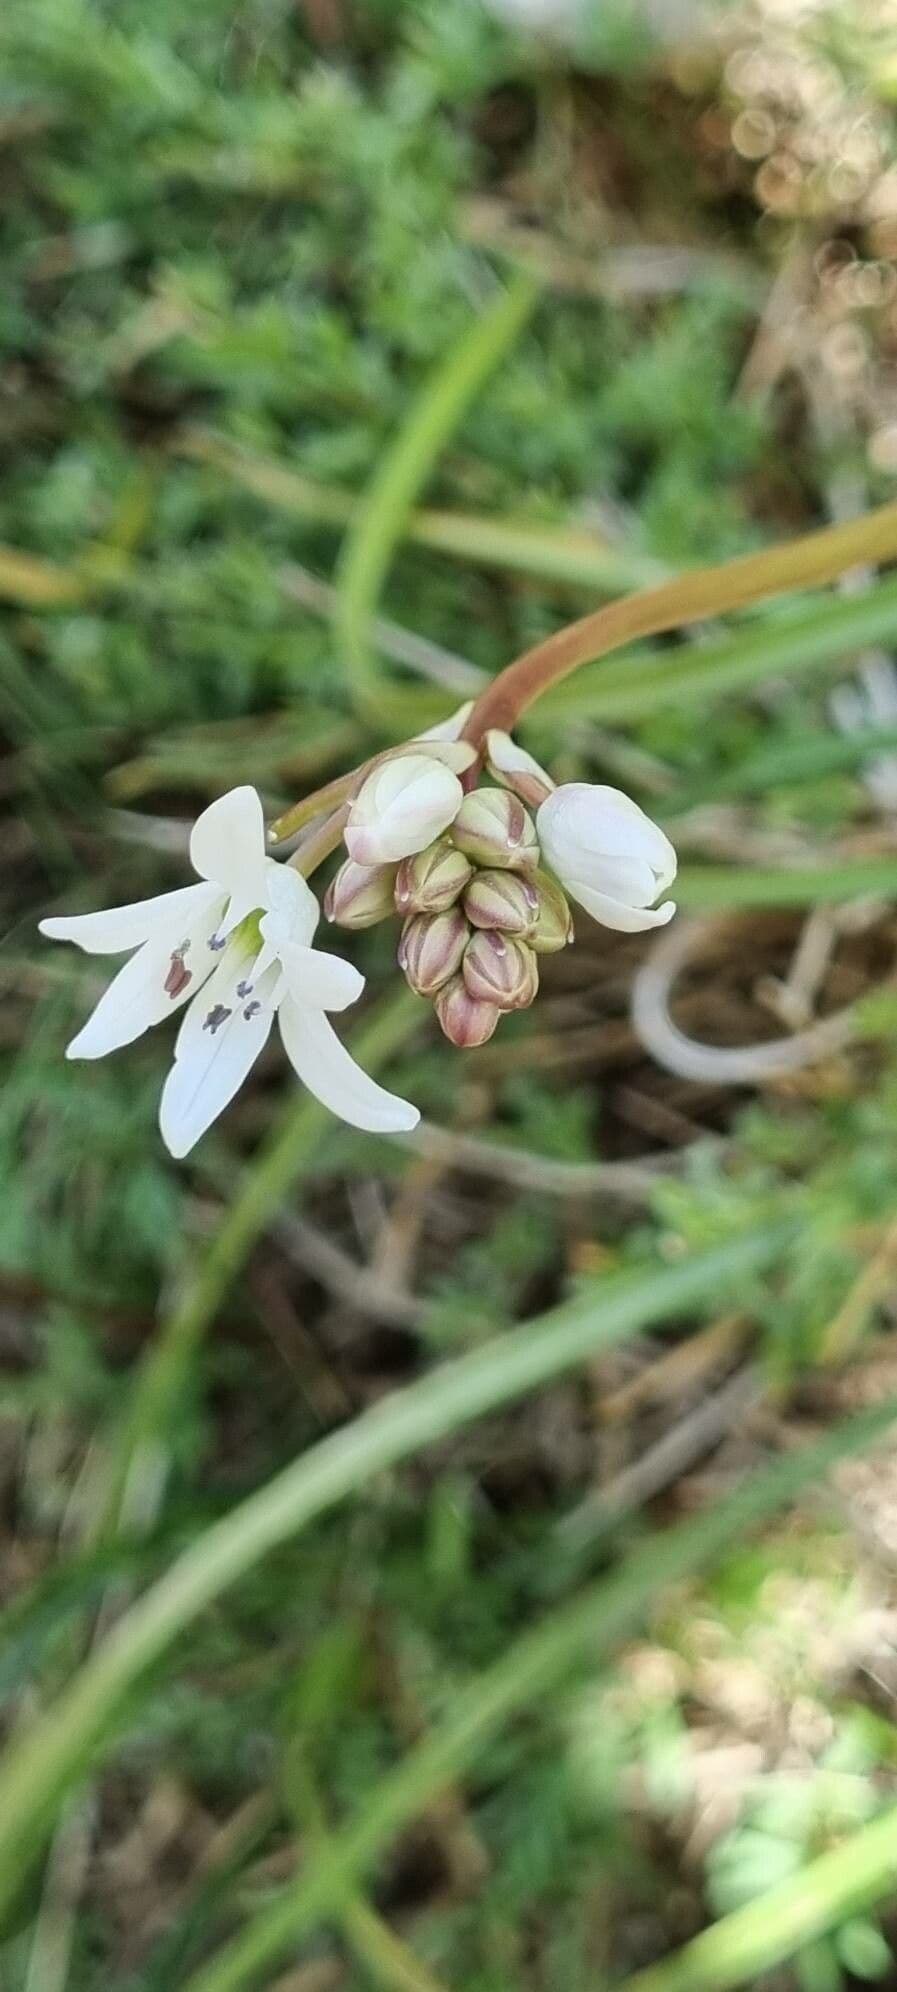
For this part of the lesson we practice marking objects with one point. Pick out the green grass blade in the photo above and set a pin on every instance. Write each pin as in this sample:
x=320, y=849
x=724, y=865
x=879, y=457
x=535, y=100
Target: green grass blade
x=847, y=1879
x=604, y=1614
x=711, y=888
x=820, y=635
x=40, y=1767
x=376, y=530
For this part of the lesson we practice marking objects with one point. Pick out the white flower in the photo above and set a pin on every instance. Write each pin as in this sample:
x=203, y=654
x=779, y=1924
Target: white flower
x=608, y=855
x=405, y=803
x=237, y=948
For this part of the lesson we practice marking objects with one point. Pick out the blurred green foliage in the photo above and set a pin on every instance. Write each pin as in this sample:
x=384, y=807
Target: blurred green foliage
x=257, y=226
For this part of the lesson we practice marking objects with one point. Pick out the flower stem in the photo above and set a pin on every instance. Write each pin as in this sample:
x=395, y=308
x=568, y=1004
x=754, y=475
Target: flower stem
x=708, y=591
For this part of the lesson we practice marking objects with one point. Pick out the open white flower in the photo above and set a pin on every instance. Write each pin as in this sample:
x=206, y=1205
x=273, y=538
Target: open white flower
x=608, y=855
x=237, y=948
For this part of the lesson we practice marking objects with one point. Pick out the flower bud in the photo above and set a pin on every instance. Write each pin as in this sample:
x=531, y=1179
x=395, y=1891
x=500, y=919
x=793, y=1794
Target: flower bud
x=493, y=828
x=431, y=948
x=504, y=900
x=433, y=880
x=516, y=769
x=608, y=855
x=406, y=801
x=554, y=925
x=498, y=969
x=360, y=895
x=465, y=1021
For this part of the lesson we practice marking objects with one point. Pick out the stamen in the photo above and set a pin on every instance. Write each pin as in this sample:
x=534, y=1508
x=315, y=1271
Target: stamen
x=244, y=988
x=252, y=1010
x=217, y=1016
x=217, y=942
x=178, y=976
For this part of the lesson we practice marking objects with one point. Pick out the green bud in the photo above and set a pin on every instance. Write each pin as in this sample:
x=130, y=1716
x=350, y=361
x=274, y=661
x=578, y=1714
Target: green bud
x=501, y=970
x=431, y=948
x=504, y=900
x=360, y=895
x=554, y=926
x=433, y=880
x=493, y=829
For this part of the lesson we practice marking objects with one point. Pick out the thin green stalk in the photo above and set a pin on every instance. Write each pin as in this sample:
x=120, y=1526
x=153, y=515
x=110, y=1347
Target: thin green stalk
x=376, y=530
x=532, y=1667
x=726, y=887
x=840, y=1884
x=40, y=1767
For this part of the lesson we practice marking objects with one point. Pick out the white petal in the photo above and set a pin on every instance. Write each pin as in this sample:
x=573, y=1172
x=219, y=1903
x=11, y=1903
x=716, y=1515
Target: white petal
x=227, y=844
x=628, y=879
x=506, y=757
x=293, y=910
x=318, y=981
x=451, y=728
x=587, y=820
x=459, y=755
x=138, y=997
x=326, y=1068
x=123, y=927
x=405, y=802
x=212, y=1057
x=613, y=913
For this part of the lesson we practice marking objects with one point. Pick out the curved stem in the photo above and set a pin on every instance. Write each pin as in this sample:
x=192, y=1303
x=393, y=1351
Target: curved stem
x=708, y=591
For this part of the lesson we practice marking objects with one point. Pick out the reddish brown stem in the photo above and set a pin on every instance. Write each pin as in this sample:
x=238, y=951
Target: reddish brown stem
x=708, y=591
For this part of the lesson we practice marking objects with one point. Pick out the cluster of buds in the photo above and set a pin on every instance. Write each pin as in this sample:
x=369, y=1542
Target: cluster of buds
x=477, y=911
x=480, y=885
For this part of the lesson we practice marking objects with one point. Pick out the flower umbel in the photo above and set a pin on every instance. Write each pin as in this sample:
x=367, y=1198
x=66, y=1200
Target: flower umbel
x=237, y=949
x=482, y=886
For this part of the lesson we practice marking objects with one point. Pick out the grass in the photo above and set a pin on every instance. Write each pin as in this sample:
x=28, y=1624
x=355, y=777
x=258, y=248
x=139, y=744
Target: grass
x=381, y=296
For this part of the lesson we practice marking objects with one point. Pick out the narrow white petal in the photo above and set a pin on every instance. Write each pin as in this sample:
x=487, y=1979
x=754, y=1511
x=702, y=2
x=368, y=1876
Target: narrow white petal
x=122, y=927
x=227, y=845
x=318, y=981
x=218, y=1043
x=613, y=913
x=159, y=978
x=451, y=728
x=290, y=902
x=326, y=1068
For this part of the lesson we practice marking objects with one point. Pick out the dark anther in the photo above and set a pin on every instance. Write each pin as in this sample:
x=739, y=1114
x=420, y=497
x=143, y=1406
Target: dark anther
x=178, y=976
x=216, y=1017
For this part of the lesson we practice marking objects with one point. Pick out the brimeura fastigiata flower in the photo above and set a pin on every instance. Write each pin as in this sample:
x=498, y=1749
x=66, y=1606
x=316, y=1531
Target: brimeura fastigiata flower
x=480, y=872
x=483, y=873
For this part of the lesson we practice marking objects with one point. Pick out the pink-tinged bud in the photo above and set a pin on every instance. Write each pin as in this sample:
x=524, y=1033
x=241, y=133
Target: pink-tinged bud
x=501, y=970
x=504, y=900
x=406, y=801
x=516, y=769
x=360, y=895
x=493, y=828
x=554, y=926
x=431, y=948
x=432, y=881
x=465, y=1021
